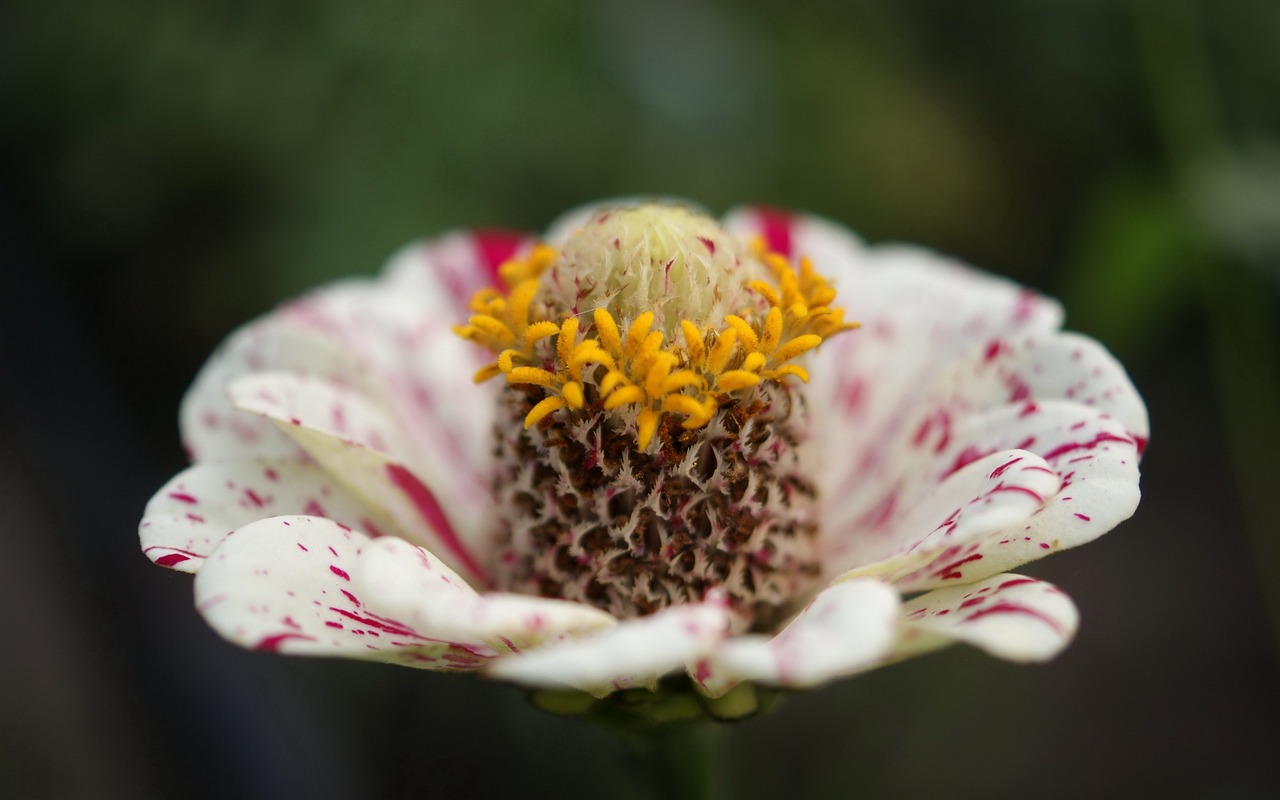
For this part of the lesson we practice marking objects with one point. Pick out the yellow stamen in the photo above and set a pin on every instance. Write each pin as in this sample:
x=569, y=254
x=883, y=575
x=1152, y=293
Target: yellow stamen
x=766, y=291
x=587, y=355
x=624, y=396
x=539, y=331
x=736, y=379
x=652, y=344
x=709, y=408
x=506, y=360
x=822, y=296
x=694, y=342
x=572, y=393
x=776, y=262
x=492, y=327
x=521, y=299
x=682, y=404
x=636, y=334
x=796, y=346
x=772, y=331
x=658, y=374
x=785, y=370
x=484, y=299
x=721, y=351
x=611, y=381
x=607, y=330
x=541, y=410
x=682, y=380
x=753, y=362
x=683, y=377
x=646, y=424
x=568, y=335
x=533, y=375
x=747, y=336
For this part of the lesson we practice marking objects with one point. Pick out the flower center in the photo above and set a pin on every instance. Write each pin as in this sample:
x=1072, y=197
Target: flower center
x=651, y=441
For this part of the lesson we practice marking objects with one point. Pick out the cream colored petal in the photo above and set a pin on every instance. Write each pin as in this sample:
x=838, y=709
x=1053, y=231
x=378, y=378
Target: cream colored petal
x=196, y=510
x=848, y=627
x=634, y=654
x=360, y=446
x=1008, y=616
x=285, y=585
x=409, y=583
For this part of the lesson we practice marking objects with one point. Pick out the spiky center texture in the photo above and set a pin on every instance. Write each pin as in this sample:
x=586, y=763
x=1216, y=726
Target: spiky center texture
x=727, y=506
x=651, y=439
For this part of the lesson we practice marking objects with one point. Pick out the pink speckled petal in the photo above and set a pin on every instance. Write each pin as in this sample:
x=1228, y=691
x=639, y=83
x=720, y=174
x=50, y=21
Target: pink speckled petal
x=634, y=654
x=390, y=339
x=285, y=585
x=831, y=246
x=920, y=312
x=1022, y=373
x=1008, y=616
x=448, y=270
x=213, y=430
x=846, y=628
x=984, y=497
x=361, y=447
x=1094, y=460
x=195, y=511
x=406, y=582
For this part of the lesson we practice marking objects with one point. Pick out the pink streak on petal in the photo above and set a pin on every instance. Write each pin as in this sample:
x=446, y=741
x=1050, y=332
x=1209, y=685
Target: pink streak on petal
x=1073, y=446
x=1010, y=608
x=966, y=457
x=776, y=226
x=1000, y=470
x=495, y=247
x=1015, y=582
x=271, y=644
x=171, y=559
x=172, y=549
x=430, y=510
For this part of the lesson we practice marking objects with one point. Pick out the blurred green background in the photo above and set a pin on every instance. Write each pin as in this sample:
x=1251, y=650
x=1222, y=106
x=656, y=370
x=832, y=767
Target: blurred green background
x=168, y=171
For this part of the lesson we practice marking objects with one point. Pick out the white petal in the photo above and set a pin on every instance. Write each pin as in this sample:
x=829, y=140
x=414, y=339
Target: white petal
x=831, y=246
x=846, y=628
x=284, y=584
x=408, y=583
x=195, y=511
x=391, y=340
x=946, y=527
x=636, y=653
x=920, y=312
x=212, y=429
x=353, y=440
x=448, y=270
x=1008, y=616
x=1094, y=461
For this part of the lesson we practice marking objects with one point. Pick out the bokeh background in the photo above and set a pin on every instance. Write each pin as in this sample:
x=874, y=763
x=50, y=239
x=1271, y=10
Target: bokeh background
x=168, y=171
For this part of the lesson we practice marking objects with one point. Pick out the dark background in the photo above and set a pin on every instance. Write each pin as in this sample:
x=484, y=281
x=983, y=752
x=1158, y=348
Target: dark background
x=168, y=171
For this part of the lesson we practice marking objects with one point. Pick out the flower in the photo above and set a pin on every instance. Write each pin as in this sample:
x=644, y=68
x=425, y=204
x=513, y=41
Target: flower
x=676, y=458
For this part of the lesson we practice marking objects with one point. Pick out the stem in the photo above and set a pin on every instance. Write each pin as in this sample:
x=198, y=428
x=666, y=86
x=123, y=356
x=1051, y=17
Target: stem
x=680, y=762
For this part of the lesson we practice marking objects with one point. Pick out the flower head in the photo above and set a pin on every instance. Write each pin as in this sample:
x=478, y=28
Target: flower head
x=648, y=445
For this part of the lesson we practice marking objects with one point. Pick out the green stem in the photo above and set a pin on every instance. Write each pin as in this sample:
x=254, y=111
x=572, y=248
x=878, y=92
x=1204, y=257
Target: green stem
x=680, y=762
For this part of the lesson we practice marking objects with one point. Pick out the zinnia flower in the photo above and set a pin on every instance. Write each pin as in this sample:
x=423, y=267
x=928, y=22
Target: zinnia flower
x=649, y=446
